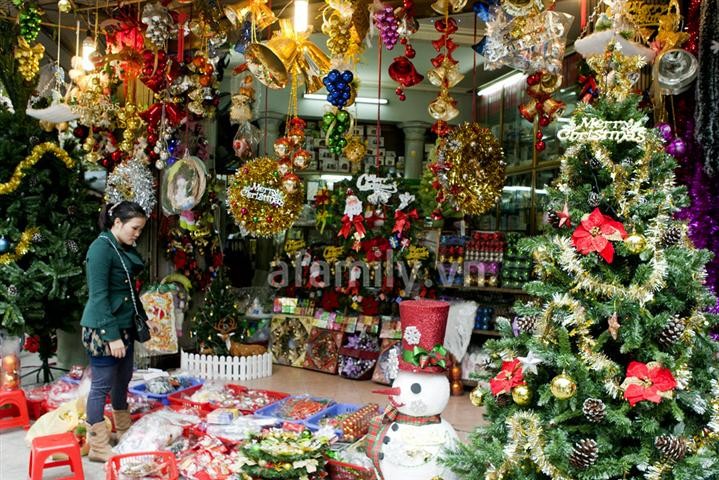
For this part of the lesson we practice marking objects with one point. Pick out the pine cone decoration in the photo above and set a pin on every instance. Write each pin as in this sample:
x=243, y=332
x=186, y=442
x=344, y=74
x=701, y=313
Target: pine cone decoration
x=594, y=199
x=503, y=400
x=595, y=164
x=553, y=219
x=672, y=332
x=671, y=236
x=526, y=324
x=584, y=453
x=594, y=409
x=671, y=447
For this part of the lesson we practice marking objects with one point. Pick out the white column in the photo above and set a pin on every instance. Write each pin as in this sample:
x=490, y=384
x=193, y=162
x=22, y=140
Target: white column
x=414, y=133
x=269, y=123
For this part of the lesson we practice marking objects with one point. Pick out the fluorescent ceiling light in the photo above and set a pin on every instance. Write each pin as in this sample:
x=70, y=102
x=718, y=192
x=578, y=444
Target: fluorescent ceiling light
x=500, y=83
x=370, y=100
x=301, y=15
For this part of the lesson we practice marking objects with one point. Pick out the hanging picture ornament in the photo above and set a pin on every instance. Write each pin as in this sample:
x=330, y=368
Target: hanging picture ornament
x=257, y=12
x=258, y=198
x=471, y=168
x=287, y=54
x=132, y=181
x=184, y=185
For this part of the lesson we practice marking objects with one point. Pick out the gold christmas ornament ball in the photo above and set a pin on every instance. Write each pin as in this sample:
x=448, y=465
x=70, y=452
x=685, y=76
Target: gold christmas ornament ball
x=635, y=243
x=522, y=395
x=563, y=386
x=476, y=396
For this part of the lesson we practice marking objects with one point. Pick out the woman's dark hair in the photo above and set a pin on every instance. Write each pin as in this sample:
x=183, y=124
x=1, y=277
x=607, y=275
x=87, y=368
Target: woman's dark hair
x=124, y=210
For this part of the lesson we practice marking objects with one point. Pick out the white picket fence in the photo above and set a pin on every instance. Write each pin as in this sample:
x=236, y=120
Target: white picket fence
x=230, y=368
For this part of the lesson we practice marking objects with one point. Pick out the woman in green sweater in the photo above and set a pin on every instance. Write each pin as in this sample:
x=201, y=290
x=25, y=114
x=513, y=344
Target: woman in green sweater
x=107, y=322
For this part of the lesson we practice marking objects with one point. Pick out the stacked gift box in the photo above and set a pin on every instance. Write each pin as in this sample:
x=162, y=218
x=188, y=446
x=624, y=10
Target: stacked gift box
x=451, y=259
x=517, y=267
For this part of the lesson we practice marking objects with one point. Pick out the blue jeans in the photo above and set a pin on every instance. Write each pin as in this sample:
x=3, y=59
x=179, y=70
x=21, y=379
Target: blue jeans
x=109, y=375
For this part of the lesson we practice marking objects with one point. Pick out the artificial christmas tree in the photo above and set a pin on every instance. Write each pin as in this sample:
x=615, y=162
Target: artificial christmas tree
x=626, y=385
x=48, y=221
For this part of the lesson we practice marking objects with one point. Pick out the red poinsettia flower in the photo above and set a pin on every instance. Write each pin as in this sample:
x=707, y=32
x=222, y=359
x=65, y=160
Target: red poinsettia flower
x=330, y=301
x=509, y=377
x=369, y=306
x=375, y=249
x=595, y=234
x=650, y=382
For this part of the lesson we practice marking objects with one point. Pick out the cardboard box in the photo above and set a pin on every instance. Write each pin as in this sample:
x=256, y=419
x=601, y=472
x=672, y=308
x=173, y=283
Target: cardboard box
x=371, y=131
x=326, y=154
x=328, y=165
x=373, y=142
x=390, y=154
x=389, y=162
x=344, y=165
x=358, y=130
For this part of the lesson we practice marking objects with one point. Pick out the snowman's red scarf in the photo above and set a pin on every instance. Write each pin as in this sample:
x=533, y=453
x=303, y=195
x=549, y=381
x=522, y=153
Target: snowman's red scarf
x=378, y=429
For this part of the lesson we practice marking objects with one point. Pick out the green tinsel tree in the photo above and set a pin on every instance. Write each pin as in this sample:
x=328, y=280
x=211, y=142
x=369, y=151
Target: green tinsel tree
x=43, y=289
x=609, y=371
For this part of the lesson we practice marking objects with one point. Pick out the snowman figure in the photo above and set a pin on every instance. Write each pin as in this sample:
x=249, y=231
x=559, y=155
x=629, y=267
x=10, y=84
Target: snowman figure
x=406, y=442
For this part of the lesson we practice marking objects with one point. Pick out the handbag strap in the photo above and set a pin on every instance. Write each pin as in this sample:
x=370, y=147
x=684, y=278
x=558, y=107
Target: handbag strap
x=129, y=279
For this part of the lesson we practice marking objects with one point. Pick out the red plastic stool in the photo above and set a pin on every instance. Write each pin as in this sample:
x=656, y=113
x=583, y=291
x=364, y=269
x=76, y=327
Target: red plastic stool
x=16, y=398
x=49, y=445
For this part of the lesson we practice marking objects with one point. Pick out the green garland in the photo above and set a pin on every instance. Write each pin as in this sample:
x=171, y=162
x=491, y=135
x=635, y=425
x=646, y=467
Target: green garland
x=278, y=454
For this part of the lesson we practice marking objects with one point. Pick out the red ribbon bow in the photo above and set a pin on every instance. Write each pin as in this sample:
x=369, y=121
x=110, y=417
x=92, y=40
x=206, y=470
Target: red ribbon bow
x=402, y=220
x=357, y=221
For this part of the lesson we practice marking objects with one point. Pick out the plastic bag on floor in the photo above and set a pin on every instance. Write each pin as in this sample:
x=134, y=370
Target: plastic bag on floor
x=155, y=431
x=61, y=420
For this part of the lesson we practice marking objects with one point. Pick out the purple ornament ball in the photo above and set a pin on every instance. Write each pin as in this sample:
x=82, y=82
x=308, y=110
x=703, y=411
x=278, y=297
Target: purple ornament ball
x=677, y=148
x=666, y=131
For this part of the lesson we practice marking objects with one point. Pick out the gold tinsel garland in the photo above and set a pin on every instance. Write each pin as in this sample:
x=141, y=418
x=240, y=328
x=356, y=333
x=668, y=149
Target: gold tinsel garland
x=259, y=200
x=21, y=249
x=30, y=161
x=526, y=441
x=474, y=163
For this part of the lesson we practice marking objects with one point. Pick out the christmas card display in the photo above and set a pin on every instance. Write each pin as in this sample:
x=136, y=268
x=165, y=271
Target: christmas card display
x=322, y=351
x=289, y=339
x=160, y=310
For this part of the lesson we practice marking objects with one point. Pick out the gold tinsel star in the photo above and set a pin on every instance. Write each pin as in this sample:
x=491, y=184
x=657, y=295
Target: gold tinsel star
x=615, y=71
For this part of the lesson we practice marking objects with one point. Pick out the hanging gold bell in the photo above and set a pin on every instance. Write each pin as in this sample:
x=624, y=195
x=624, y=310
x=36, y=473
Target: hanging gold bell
x=442, y=108
x=313, y=64
x=260, y=14
x=442, y=6
x=528, y=110
x=269, y=62
x=446, y=74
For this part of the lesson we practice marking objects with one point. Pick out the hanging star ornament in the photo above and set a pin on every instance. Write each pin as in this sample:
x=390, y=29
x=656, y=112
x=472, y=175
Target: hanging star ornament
x=565, y=218
x=530, y=362
x=614, y=326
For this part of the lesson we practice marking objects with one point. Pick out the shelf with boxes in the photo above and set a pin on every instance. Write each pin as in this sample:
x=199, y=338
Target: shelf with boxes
x=384, y=145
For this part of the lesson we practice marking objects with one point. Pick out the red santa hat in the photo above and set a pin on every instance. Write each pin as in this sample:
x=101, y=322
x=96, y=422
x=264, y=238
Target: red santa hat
x=423, y=325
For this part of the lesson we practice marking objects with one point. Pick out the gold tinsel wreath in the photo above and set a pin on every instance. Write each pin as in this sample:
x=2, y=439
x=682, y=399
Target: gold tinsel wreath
x=261, y=217
x=37, y=153
x=475, y=163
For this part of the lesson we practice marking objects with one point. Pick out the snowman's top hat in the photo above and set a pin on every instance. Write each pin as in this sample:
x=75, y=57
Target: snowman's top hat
x=423, y=326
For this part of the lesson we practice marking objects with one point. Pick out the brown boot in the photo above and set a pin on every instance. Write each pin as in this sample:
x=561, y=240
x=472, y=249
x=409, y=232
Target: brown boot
x=98, y=437
x=122, y=423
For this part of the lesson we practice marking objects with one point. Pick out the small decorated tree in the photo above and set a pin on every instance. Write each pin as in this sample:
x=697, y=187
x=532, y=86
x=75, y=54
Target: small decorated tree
x=608, y=372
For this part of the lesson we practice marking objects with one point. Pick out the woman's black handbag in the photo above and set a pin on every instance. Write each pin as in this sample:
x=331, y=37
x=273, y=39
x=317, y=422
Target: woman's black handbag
x=142, y=329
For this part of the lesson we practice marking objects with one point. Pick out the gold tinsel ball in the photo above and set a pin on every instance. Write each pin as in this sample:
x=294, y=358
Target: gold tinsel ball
x=522, y=395
x=258, y=200
x=563, y=386
x=476, y=168
x=476, y=396
x=635, y=243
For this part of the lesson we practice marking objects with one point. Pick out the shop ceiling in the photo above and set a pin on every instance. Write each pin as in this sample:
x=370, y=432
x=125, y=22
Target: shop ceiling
x=86, y=10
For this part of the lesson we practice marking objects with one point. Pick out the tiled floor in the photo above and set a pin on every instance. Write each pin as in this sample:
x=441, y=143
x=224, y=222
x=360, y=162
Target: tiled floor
x=460, y=413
